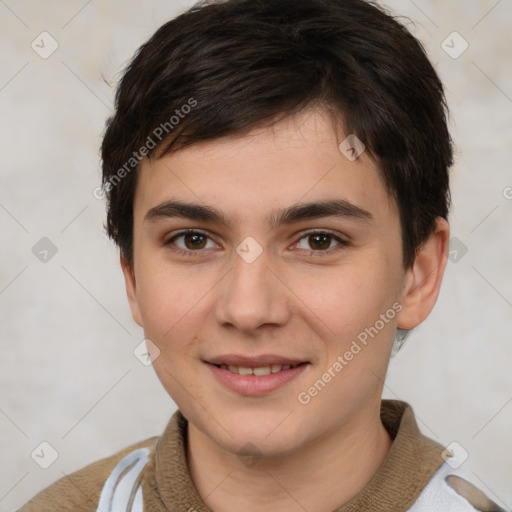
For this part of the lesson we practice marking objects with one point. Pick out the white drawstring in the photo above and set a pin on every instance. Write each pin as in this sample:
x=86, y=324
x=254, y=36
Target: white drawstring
x=124, y=494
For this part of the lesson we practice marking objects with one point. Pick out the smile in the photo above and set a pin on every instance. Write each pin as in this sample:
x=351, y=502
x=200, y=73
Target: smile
x=259, y=371
x=256, y=378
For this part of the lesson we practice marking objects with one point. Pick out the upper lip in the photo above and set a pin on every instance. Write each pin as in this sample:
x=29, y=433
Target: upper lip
x=253, y=361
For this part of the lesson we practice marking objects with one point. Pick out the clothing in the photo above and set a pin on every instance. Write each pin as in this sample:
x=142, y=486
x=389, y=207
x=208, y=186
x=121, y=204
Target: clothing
x=155, y=473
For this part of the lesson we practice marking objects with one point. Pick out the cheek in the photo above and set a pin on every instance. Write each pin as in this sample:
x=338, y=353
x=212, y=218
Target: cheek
x=174, y=306
x=354, y=319
x=345, y=298
x=166, y=293
x=350, y=309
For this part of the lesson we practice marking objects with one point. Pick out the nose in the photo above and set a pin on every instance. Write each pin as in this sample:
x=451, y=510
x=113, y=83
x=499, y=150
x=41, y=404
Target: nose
x=251, y=296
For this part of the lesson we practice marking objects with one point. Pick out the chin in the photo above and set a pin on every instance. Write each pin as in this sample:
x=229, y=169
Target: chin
x=258, y=447
x=260, y=435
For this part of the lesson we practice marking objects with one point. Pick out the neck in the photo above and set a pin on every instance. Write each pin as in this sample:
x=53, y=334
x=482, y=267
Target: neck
x=320, y=477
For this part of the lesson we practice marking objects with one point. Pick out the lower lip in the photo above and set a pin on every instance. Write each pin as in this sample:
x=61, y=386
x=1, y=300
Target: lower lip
x=255, y=385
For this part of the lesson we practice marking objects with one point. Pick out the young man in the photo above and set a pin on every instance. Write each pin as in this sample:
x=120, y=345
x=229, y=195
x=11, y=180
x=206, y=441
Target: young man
x=277, y=182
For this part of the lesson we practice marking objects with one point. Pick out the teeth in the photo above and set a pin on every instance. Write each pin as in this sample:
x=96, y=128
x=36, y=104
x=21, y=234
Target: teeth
x=260, y=371
x=264, y=370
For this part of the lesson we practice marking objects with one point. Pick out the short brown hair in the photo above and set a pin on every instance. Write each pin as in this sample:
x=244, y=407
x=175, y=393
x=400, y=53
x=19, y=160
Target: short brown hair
x=238, y=63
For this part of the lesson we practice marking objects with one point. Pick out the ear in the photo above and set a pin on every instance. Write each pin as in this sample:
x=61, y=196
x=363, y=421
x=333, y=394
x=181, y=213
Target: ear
x=131, y=290
x=423, y=279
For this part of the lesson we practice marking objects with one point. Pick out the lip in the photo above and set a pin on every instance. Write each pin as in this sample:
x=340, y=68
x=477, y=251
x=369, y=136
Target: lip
x=256, y=385
x=253, y=361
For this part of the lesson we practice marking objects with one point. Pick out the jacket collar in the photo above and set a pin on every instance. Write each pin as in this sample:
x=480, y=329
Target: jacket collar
x=409, y=465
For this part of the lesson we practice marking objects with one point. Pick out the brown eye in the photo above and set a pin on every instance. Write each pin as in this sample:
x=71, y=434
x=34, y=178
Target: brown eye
x=194, y=241
x=190, y=241
x=319, y=241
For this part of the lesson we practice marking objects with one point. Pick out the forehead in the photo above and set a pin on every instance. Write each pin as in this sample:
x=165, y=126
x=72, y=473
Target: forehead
x=296, y=160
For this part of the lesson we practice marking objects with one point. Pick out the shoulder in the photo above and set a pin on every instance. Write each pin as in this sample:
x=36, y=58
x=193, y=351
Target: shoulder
x=80, y=491
x=450, y=491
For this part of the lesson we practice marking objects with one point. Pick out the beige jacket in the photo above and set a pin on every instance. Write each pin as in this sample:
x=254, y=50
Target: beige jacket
x=414, y=476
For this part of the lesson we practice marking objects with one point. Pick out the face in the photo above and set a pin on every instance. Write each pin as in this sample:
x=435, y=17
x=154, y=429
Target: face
x=262, y=281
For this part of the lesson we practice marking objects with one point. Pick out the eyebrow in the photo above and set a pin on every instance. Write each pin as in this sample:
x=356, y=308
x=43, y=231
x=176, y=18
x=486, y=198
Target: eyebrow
x=295, y=213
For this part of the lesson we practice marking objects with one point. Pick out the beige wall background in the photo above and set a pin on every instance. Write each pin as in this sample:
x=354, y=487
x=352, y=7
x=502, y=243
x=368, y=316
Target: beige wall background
x=68, y=375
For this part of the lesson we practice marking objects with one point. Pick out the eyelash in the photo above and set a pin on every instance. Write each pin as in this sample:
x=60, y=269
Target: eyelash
x=318, y=253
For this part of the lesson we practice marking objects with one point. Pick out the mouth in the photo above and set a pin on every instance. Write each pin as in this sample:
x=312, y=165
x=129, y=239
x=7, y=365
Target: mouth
x=255, y=376
x=259, y=370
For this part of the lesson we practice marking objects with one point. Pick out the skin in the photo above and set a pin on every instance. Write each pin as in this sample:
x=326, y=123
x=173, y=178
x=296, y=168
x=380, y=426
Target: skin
x=291, y=301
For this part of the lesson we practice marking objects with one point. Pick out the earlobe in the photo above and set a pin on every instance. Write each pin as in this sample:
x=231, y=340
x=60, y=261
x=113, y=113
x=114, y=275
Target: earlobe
x=423, y=279
x=131, y=290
